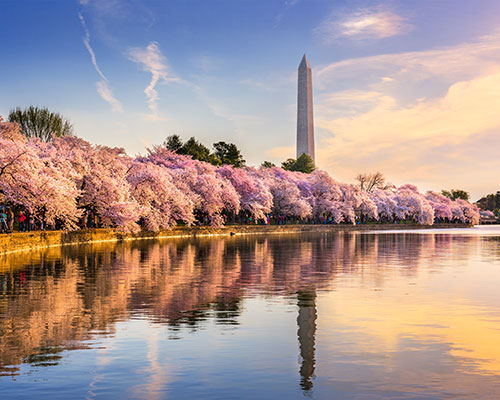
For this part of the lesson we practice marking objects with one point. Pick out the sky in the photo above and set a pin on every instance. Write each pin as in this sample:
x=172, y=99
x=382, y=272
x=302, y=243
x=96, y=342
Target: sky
x=407, y=88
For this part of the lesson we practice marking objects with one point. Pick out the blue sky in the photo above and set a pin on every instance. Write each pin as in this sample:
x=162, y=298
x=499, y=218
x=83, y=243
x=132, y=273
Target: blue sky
x=408, y=88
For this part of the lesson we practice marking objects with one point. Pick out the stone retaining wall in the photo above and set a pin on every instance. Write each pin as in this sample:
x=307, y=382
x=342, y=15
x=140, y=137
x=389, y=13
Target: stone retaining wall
x=25, y=241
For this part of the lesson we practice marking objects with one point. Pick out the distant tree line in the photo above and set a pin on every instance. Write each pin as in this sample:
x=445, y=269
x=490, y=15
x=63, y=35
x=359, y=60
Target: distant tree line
x=229, y=154
x=455, y=194
x=223, y=154
x=490, y=202
x=303, y=164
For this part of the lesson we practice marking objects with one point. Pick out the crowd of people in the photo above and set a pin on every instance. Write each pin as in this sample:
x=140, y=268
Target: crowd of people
x=23, y=222
x=12, y=220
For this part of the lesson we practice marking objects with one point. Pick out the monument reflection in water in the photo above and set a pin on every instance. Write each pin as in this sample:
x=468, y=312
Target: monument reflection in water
x=398, y=314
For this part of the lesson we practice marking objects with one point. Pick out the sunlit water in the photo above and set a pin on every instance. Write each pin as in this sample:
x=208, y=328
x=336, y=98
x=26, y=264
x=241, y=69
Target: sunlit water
x=386, y=315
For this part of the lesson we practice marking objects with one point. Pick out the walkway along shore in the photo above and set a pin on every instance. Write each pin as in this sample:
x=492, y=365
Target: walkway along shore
x=26, y=241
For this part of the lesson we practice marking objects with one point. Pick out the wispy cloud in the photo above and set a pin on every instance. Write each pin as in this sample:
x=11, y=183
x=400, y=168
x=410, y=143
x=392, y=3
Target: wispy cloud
x=443, y=66
x=103, y=87
x=442, y=138
x=363, y=24
x=86, y=42
x=107, y=94
x=152, y=60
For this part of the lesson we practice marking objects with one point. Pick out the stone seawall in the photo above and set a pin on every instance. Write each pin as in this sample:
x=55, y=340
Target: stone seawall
x=26, y=241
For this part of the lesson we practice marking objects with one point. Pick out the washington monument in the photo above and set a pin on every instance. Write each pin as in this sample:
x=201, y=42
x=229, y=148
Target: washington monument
x=305, y=120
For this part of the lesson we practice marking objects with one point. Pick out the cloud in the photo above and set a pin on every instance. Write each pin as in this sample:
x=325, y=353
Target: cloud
x=152, y=60
x=107, y=94
x=366, y=23
x=450, y=64
x=439, y=140
x=103, y=87
x=86, y=42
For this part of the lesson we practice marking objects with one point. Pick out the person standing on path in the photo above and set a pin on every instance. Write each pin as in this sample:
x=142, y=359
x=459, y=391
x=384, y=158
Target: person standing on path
x=21, y=220
x=3, y=222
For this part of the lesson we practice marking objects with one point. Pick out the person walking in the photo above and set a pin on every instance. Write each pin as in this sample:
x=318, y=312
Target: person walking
x=21, y=220
x=31, y=226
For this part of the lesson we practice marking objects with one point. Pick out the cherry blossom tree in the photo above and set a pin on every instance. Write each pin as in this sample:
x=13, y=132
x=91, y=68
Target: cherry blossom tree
x=386, y=203
x=470, y=211
x=30, y=181
x=210, y=193
x=360, y=202
x=254, y=195
x=11, y=131
x=442, y=205
x=327, y=195
x=287, y=197
x=100, y=174
x=62, y=181
x=162, y=203
x=413, y=205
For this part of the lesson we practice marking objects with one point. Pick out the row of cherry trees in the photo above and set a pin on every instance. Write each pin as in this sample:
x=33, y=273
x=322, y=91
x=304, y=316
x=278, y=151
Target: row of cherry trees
x=63, y=180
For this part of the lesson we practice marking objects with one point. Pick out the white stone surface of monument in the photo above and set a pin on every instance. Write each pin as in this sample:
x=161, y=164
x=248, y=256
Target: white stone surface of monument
x=305, y=118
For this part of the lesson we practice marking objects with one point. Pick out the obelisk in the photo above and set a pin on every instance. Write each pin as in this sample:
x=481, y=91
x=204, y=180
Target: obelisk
x=306, y=321
x=305, y=121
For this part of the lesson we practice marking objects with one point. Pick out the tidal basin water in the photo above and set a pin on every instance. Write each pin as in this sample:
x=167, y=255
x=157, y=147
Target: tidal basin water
x=389, y=315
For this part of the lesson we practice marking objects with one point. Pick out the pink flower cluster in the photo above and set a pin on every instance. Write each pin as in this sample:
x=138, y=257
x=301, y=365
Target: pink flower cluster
x=69, y=177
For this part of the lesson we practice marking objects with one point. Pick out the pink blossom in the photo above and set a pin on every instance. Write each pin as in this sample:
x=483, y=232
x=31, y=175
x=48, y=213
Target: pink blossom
x=62, y=180
x=162, y=203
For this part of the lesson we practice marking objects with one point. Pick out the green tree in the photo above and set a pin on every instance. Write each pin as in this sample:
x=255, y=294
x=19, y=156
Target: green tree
x=490, y=202
x=228, y=153
x=289, y=164
x=267, y=164
x=173, y=143
x=198, y=151
x=225, y=153
x=41, y=123
x=303, y=164
x=454, y=194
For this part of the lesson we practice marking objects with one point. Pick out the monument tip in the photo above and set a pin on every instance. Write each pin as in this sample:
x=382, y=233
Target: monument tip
x=305, y=62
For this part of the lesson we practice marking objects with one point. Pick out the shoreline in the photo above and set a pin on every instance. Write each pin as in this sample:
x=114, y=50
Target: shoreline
x=36, y=240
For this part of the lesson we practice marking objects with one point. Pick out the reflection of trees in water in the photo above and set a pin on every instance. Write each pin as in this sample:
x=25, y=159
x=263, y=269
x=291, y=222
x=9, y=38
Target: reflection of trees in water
x=60, y=297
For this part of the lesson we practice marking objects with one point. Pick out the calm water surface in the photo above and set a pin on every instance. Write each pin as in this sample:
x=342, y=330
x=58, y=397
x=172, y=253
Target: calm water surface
x=405, y=315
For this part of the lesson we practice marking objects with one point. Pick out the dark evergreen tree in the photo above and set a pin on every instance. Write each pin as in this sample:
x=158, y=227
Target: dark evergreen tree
x=173, y=143
x=198, y=151
x=267, y=164
x=303, y=164
x=229, y=154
